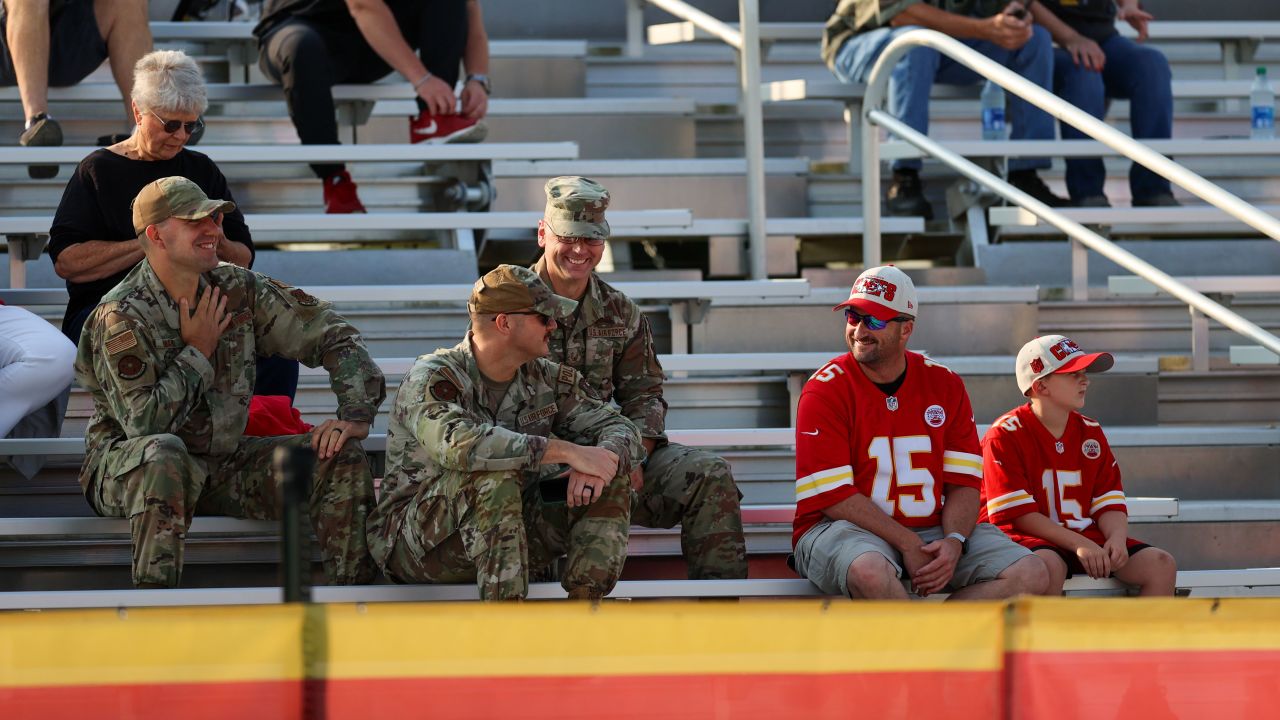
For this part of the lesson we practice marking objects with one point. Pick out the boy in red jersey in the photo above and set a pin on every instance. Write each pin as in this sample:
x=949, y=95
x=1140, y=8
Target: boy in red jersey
x=1051, y=482
x=883, y=435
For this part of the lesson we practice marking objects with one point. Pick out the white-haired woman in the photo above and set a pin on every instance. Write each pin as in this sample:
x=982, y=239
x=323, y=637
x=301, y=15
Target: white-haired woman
x=93, y=243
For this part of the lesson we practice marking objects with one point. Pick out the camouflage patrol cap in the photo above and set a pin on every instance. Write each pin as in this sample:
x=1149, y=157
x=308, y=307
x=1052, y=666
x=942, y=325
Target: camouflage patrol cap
x=575, y=207
x=173, y=197
x=511, y=288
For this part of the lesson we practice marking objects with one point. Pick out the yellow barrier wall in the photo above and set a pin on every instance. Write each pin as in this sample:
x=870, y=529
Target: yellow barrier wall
x=1041, y=658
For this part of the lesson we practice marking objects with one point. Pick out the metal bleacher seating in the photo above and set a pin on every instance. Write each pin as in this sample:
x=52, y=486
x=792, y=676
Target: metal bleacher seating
x=1199, y=447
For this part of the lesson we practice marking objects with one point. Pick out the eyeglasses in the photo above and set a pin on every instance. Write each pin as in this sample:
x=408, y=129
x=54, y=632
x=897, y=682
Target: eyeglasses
x=590, y=242
x=544, y=319
x=171, y=126
x=853, y=317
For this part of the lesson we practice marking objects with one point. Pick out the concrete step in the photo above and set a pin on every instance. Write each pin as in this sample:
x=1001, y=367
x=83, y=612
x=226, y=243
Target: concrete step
x=1231, y=396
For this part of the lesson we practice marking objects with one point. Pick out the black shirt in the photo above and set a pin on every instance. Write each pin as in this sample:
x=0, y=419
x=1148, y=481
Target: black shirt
x=1094, y=19
x=98, y=205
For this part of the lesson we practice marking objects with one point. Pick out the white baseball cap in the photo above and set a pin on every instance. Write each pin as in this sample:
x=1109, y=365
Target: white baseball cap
x=1051, y=354
x=884, y=293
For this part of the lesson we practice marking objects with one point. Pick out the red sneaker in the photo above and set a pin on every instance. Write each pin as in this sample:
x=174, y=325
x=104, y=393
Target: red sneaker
x=340, y=195
x=437, y=129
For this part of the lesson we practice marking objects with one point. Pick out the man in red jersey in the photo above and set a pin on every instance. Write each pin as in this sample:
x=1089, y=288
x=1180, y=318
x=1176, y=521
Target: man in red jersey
x=883, y=436
x=1051, y=482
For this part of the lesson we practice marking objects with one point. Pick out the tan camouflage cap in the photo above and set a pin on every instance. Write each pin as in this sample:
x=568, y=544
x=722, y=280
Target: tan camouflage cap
x=173, y=197
x=575, y=207
x=511, y=288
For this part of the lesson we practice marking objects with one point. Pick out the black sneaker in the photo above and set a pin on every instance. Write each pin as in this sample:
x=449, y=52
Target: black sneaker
x=43, y=131
x=1161, y=200
x=1093, y=201
x=906, y=196
x=1030, y=183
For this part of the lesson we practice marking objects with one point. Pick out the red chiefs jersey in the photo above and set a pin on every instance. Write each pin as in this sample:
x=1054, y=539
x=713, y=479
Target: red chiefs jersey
x=898, y=450
x=1070, y=481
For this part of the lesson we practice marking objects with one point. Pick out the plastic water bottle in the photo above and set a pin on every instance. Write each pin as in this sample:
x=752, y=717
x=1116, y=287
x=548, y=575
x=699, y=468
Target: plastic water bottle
x=993, y=127
x=1262, y=101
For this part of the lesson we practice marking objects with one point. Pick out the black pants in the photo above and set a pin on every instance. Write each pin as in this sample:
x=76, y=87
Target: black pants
x=308, y=59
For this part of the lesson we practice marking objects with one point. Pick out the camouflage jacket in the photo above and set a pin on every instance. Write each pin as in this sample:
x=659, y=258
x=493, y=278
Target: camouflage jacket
x=440, y=423
x=858, y=16
x=146, y=380
x=612, y=346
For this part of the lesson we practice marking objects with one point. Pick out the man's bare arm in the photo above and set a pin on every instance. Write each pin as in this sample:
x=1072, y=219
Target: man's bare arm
x=235, y=253
x=97, y=259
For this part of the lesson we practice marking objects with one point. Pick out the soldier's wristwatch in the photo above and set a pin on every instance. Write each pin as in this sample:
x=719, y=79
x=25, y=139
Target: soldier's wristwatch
x=484, y=82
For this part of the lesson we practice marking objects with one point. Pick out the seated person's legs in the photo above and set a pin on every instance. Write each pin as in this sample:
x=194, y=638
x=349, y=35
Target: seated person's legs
x=1083, y=88
x=471, y=531
x=843, y=559
x=245, y=484
x=1033, y=61
x=36, y=364
x=994, y=567
x=597, y=547
x=1141, y=74
x=303, y=60
x=1056, y=567
x=1153, y=570
x=909, y=85
x=694, y=489
x=123, y=25
x=155, y=483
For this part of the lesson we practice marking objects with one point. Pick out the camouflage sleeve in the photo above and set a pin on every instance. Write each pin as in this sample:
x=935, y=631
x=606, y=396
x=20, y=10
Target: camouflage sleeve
x=118, y=361
x=637, y=379
x=455, y=437
x=291, y=323
x=581, y=419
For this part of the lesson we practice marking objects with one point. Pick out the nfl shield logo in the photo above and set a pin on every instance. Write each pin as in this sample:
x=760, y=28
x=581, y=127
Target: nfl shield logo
x=891, y=402
x=1058, y=446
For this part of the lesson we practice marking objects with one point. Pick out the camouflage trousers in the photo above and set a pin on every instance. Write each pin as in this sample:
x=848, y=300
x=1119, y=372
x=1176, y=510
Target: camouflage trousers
x=492, y=527
x=159, y=486
x=695, y=489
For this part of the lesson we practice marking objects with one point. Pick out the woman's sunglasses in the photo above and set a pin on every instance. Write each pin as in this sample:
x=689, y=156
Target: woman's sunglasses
x=171, y=126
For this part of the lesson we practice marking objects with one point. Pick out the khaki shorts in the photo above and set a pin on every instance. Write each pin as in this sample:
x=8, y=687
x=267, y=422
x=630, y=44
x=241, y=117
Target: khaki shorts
x=826, y=551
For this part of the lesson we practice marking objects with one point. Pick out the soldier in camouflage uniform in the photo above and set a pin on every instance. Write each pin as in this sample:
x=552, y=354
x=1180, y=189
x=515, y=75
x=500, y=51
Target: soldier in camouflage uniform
x=608, y=340
x=471, y=428
x=169, y=358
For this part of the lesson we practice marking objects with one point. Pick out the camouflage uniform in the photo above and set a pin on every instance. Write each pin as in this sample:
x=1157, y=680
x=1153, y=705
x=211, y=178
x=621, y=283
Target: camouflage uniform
x=611, y=345
x=166, y=438
x=460, y=500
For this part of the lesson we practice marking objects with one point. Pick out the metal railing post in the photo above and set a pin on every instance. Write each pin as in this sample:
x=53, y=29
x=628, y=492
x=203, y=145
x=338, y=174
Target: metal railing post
x=870, y=184
x=753, y=136
x=635, y=28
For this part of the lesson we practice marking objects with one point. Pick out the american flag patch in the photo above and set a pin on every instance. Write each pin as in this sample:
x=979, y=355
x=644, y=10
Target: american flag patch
x=121, y=342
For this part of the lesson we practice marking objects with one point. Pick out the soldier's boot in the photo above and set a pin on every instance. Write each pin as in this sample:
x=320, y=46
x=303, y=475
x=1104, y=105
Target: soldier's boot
x=341, y=500
x=494, y=536
x=160, y=496
x=711, y=528
x=598, y=542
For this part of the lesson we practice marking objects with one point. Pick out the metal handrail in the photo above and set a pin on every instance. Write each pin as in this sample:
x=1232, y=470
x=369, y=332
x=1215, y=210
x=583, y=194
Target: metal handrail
x=872, y=115
x=747, y=42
